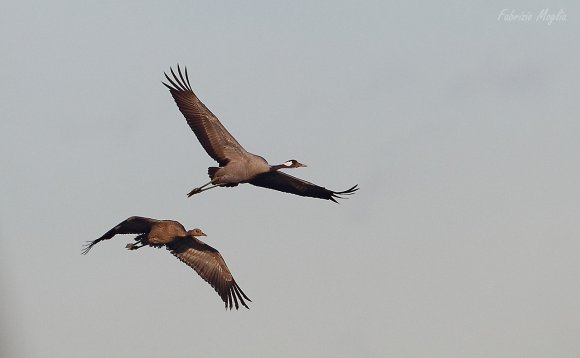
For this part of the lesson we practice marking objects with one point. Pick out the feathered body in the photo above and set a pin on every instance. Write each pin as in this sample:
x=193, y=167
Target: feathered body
x=237, y=165
x=184, y=245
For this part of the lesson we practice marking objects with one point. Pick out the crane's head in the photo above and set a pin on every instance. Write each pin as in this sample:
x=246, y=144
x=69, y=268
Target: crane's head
x=293, y=163
x=196, y=232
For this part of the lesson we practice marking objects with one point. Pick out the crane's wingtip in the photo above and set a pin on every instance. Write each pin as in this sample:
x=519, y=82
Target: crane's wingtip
x=338, y=194
x=352, y=190
x=87, y=247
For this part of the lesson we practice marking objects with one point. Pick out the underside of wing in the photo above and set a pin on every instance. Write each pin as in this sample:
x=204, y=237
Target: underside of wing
x=210, y=265
x=283, y=182
x=212, y=135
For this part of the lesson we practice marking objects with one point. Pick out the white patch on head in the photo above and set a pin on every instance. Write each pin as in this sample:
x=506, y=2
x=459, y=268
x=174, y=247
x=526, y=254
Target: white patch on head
x=288, y=163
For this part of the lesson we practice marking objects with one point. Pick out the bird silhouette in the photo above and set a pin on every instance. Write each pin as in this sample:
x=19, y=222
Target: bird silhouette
x=236, y=165
x=184, y=245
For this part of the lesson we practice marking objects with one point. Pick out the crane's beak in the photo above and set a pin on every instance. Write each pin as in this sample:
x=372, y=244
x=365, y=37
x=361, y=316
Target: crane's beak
x=196, y=233
x=302, y=165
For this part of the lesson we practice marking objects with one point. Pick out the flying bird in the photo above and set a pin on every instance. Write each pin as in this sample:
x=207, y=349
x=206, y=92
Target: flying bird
x=236, y=165
x=184, y=245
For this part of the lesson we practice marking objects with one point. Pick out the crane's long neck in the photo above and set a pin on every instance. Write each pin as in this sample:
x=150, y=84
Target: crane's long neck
x=293, y=163
x=274, y=168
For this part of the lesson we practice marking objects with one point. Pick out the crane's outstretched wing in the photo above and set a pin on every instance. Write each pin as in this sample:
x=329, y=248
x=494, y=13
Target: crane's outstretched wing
x=133, y=225
x=210, y=265
x=287, y=183
x=213, y=136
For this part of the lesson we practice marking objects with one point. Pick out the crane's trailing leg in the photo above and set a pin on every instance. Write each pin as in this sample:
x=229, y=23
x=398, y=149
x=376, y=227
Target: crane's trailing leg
x=200, y=189
x=139, y=239
x=133, y=246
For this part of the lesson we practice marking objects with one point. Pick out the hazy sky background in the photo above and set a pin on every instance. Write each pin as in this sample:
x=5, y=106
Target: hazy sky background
x=461, y=130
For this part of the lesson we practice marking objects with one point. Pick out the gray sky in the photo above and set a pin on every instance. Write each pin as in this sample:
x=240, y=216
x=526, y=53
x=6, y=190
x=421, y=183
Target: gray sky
x=461, y=130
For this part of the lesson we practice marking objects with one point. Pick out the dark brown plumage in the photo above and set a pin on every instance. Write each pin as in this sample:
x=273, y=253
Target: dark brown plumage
x=236, y=165
x=184, y=245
